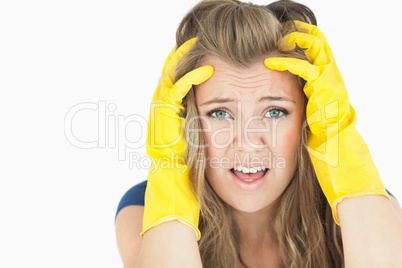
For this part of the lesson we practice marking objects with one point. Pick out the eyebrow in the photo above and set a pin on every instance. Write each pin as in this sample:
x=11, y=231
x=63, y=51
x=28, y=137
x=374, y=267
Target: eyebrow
x=275, y=98
x=222, y=100
x=265, y=98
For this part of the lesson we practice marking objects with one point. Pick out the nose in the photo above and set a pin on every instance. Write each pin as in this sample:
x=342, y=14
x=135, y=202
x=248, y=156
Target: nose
x=251, y=134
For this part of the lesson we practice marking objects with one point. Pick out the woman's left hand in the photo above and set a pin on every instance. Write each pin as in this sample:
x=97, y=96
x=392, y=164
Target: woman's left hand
x=170, y=193
x=340, y=156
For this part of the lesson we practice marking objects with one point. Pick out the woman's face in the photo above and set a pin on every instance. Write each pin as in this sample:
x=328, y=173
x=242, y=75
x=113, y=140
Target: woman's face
x=251, y=119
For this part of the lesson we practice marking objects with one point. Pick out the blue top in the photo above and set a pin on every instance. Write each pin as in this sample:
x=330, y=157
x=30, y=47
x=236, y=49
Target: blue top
x=135, y=196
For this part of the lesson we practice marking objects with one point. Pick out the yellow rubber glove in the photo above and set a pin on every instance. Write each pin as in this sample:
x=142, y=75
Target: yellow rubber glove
x=340, y=157
x=169, y=194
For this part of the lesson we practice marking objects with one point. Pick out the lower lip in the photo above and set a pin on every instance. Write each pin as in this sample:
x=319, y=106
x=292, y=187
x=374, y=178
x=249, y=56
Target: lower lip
x=249, y=186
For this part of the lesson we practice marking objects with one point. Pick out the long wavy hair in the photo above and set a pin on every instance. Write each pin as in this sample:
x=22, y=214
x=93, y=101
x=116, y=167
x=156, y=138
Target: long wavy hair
x=240, y=33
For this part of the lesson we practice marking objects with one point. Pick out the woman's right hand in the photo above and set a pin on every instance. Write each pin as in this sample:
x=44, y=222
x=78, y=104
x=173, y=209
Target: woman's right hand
x=169, y=194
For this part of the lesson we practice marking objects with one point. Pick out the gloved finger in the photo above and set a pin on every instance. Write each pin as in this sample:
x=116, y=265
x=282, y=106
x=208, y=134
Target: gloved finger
x=170, y=67
x=178, y=54
x=184, y=84
x=168, y=58
x=315, y=48
x=309, y=28
x=302, y=68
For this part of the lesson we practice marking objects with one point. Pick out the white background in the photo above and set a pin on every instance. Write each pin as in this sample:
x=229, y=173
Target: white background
x=58, y=201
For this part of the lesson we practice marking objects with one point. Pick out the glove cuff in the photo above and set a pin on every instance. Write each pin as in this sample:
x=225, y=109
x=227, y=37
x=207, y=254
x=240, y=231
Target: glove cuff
x=334, y=205
x=366, y=181
x=170, y=196
x=171, y=218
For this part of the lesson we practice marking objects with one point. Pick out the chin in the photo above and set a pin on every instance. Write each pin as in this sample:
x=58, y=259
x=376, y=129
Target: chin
x=250, y=204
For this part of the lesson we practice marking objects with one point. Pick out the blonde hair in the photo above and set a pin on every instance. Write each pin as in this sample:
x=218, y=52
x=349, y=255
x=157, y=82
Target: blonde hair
x=240, y=33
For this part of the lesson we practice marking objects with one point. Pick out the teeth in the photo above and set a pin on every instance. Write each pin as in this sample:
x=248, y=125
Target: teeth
x=249, y=170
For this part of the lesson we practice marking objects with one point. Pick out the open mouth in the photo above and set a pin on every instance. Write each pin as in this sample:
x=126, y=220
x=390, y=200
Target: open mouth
x=249, y=175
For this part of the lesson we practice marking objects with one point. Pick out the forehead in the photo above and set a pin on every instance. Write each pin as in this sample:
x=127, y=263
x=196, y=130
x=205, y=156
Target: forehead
x=248, y=82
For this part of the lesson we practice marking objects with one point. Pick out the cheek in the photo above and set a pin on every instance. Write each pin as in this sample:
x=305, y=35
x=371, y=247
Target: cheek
x=218, y=135
x=287, y=139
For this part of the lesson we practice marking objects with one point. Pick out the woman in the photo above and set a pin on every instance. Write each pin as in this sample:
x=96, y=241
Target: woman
x=271, y=164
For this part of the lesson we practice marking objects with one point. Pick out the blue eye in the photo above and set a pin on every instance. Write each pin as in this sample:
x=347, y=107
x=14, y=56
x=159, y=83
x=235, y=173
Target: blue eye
x=221, y=113
x=276, y=112
x=218, y=113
